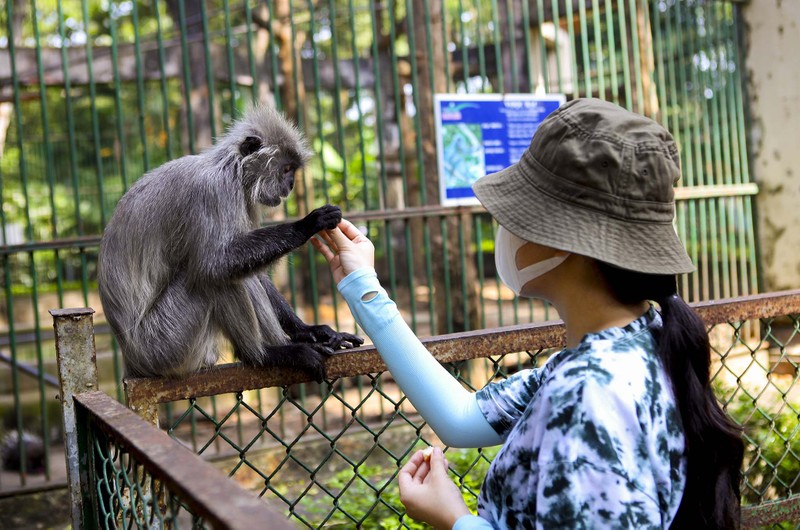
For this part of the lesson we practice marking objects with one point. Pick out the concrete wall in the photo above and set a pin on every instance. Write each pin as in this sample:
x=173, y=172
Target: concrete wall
x=772, y=48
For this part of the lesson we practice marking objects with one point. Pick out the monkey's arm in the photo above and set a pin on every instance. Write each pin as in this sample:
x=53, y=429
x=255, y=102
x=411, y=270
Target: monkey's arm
x=244, y=253
x=299, y=331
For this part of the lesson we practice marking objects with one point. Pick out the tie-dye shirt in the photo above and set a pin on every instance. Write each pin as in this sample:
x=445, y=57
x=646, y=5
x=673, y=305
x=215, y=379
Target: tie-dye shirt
x=592, y=439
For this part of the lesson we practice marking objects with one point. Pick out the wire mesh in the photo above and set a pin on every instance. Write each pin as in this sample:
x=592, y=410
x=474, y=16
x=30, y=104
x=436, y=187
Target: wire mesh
x=331, y=453
x=126, y=495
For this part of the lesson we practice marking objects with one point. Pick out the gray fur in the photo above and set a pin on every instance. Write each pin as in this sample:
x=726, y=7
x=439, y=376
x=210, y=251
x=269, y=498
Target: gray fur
x=182, y=259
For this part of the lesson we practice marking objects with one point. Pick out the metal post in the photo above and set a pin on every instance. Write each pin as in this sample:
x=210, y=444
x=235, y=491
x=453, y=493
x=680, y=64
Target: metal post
x=77, y=373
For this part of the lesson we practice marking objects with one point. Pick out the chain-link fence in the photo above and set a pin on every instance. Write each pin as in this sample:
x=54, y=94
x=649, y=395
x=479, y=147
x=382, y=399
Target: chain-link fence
x=331, y=453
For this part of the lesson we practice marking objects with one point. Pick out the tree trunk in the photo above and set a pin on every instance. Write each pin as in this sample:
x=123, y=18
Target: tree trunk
x=649, y=107
x=456, y=225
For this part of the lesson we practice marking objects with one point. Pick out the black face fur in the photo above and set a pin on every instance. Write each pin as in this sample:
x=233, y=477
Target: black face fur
x=268, y=173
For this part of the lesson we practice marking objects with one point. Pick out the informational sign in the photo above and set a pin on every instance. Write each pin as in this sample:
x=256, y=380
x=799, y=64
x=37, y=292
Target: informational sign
x=478, y=134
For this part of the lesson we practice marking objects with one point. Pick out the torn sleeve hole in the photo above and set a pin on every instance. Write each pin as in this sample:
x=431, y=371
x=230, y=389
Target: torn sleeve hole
x=366, y=297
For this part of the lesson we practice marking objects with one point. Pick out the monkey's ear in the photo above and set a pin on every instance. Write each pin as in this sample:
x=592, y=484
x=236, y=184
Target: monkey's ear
x=250, y=145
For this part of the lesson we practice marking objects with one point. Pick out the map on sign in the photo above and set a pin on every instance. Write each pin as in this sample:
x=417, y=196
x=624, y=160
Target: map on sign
x=479, y=134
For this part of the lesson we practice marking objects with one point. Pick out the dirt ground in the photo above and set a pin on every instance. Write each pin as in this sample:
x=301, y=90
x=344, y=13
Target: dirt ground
x=47, y=509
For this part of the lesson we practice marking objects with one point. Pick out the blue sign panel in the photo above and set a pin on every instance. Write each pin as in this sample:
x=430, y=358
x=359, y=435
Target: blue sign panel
x=478, y=134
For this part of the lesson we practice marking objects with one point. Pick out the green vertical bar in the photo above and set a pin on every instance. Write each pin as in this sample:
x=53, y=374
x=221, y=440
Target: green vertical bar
x=318, y=97
x=49, y=166
x=481, y=272
x=556, y=28
x=412, y=49
x=251, y=63
x=187, y=80
x=701, y=149
x=412, y=295
x=420, y=174
x=337, y=103
x=95, y=120
x=73, y=165
x=688, y=147
x=729, y=113
x=716, y=81
x=587, y=67
x=398, y=106
x=481, y=51
x=465, y=288
x=140, y=89
x=498, y=283
x=229, y=49
x=357, y=78
x=13, y=367
x=498, y=54
x=626, y=66
x=749, y=281
x=445, y=50
x=526, y=30
x=448, y=297
x=273, y=54
x=612, y=54
x=465, y=66
x=637, y=62
x=123, y=162
x=573, y=52
x=598, y=49
x=660, y=71
x=512, y=39
x=379, y=124
x=209, y=70
x=308, y=202
x=674, y=125
x=542, y=46
x=728, y=249
x=6, y=261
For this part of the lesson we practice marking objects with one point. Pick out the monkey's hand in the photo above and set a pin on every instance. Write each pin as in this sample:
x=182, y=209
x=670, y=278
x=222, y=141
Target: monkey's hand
x=324, y=218
x=326, y=336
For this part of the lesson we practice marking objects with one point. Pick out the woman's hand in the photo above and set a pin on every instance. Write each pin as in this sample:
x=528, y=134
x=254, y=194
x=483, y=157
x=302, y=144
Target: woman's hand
x=345, y=248
x=428, y=493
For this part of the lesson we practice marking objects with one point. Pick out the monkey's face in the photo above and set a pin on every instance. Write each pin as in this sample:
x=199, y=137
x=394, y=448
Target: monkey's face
x=268, y=171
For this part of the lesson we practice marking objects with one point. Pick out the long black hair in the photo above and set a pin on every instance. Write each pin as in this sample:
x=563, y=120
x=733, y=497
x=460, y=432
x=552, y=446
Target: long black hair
x=714, y=446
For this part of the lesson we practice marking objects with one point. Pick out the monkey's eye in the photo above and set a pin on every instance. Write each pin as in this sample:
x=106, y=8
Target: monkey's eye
x=289, y=168
x=250, y=145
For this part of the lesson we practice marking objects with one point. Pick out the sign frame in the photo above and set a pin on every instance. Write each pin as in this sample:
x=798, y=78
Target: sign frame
x=456, y=178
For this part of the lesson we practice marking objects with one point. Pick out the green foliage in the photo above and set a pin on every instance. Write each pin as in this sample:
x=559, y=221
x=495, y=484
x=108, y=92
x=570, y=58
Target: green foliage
x=373, y=494
x=772, y=448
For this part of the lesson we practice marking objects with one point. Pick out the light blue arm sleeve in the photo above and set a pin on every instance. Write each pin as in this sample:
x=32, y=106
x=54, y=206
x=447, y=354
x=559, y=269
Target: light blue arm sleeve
x=450, y=409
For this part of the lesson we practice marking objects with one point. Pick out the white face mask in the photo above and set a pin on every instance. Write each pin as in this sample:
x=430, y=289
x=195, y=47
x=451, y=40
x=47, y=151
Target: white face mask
x=506, y=246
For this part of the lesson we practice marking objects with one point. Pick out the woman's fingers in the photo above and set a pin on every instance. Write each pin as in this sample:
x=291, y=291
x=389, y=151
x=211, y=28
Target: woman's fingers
x=338, y=238
x=350, y=230
x=323, y=249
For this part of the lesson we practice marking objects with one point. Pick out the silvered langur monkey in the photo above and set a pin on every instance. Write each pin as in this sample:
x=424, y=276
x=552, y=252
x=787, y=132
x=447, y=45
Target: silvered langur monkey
x=182, y=259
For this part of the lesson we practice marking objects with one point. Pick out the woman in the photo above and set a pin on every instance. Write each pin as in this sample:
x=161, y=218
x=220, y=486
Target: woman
x=618, y=430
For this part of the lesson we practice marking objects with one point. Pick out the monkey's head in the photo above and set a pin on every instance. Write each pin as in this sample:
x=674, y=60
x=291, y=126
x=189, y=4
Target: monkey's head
x=270, y=151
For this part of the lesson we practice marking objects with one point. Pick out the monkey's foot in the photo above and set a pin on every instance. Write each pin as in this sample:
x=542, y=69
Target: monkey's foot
x=327, y=336
x=307, y=357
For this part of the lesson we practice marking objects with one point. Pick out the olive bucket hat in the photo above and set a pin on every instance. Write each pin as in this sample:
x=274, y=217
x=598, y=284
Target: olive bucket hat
x=597, y=181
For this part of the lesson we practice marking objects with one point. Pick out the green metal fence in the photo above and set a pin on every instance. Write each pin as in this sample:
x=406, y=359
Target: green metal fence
x=330, y=458
x=92, y=94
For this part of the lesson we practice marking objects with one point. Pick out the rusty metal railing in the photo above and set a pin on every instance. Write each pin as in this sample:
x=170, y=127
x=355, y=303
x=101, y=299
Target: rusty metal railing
x=125, y=473
x=331, y=452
